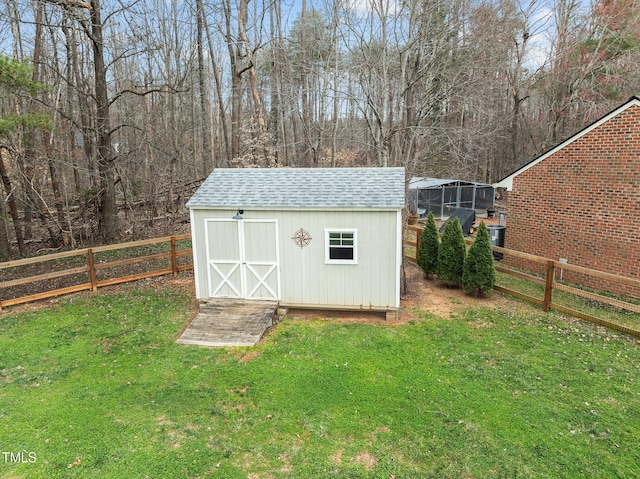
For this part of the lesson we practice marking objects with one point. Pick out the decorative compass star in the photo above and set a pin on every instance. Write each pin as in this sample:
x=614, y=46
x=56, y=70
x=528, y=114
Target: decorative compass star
x=302, y=238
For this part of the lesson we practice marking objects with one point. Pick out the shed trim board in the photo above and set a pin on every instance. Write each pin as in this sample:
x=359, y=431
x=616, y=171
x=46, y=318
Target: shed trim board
x=507, y=182
x=399, y=254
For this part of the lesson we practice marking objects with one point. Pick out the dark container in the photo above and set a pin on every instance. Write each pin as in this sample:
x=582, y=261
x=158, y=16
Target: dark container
x=467, y=218
x=496, y=236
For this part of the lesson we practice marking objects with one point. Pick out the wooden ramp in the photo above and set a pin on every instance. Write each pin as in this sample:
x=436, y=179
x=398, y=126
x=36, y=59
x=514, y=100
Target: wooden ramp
x=229, y=322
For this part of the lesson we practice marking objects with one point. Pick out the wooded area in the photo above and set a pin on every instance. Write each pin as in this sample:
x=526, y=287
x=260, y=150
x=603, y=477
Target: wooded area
x=111, y=111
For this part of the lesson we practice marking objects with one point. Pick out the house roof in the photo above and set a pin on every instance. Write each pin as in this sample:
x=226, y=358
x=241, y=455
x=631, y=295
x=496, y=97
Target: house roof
x=507, y=181
x=419, y=183
x=302, y=188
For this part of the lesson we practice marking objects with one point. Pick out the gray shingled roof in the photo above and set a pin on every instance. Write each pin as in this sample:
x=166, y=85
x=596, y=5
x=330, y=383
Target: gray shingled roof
x=302, y=188
x=426, y=183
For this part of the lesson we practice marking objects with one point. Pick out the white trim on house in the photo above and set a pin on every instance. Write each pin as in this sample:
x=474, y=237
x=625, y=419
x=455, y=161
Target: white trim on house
x=507, y=182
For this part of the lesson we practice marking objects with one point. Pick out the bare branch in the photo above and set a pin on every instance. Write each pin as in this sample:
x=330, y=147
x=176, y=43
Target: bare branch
x=70, y=3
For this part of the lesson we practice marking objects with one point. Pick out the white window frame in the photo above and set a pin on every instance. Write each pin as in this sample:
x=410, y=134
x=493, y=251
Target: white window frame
x=327, y=246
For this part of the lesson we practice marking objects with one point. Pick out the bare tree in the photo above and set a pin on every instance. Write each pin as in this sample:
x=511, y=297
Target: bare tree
x=15, y=79
x=205, y=110
x=93, y=28
x=237, y=68
x=146, y=97
x=219, y=96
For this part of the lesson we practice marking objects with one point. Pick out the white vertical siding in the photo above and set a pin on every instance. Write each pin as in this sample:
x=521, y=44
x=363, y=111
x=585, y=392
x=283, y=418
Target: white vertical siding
x=222, y=253
x=304, y=276
x=261, y=256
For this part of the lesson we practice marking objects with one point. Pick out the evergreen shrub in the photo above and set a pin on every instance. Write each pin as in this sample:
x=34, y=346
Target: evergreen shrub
x=428, y=248
x=479, y=273
x=451, y=254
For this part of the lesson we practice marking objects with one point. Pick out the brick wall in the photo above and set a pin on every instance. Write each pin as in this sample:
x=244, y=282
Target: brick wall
x=582, y=203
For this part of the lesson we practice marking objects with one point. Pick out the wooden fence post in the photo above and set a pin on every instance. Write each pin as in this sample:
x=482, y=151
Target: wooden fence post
x=92, y=271
x=174, y=259
x=418, y=235
x=548, y=285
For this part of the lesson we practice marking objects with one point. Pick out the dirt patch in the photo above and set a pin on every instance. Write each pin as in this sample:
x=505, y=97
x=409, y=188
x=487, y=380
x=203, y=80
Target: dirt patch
x=436, y=298
x=249, y=356
x=336, y=459
x=366, y=459
x=422, y=294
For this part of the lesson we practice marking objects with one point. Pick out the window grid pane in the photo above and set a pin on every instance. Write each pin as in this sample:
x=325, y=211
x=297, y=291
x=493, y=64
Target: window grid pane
x=341, y=246
x=341, y=253
x=341, y=239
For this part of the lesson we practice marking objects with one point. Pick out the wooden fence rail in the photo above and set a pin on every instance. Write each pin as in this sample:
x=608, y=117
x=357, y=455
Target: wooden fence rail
x=412, y=241
x=410, y=245
x=92, y=267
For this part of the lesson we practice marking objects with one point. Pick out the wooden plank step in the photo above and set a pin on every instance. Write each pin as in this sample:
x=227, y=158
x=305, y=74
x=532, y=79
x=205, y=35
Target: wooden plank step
x=229, y=323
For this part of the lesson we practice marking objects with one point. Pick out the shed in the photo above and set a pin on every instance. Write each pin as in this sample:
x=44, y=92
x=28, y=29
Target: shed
x=580, y=201
x=443, y=196
x=326, y=238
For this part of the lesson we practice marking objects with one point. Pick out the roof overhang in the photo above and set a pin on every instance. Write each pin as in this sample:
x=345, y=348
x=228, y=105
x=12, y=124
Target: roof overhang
x=275, y=208
x=507, y=182
x=419, y=183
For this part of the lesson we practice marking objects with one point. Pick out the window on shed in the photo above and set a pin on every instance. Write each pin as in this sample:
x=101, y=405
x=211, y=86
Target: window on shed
x=341, y=246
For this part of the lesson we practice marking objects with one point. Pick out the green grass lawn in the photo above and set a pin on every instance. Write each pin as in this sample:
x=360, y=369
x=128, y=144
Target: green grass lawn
x=96, y=387
x=599, y=310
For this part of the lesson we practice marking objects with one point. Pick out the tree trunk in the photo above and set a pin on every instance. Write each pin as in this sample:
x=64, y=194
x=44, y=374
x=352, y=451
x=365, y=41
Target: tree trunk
x=220, y=98
x=235, y=56
x=253, y=85
x=30, y=159
x=205, y=111
x=304, y=93
x=108, y=209
x=275, y=79
x=13, y=208
x=5, y=247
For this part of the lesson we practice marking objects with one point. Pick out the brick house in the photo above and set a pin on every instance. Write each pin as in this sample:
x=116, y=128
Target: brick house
x=581, y=200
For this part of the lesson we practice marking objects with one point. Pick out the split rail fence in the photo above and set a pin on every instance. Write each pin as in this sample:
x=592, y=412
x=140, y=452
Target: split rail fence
x=549, y=282
x=94, y=266
x=170, y=262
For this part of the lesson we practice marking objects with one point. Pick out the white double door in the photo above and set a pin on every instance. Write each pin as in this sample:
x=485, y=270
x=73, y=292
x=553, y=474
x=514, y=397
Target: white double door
x=242, y=258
